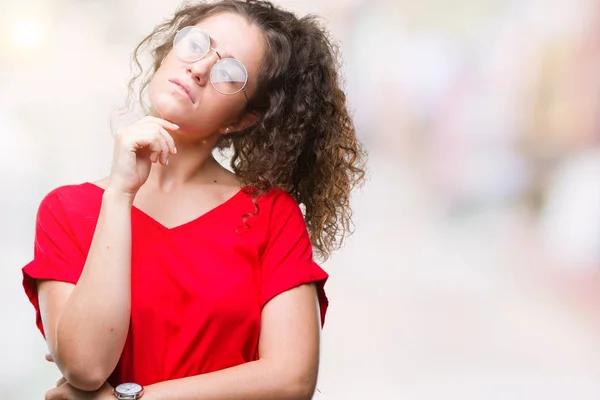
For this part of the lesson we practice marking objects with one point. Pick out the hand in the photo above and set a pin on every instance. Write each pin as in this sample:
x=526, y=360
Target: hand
x=136, y=147
x=64, y=391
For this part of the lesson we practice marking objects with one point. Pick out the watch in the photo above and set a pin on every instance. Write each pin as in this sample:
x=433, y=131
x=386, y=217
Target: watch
x=128, y=391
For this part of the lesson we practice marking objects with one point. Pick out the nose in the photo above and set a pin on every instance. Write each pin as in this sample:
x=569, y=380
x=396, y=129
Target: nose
x=200, y=70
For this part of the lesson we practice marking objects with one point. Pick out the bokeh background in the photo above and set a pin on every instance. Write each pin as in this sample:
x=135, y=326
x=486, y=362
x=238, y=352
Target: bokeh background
x=474, y=272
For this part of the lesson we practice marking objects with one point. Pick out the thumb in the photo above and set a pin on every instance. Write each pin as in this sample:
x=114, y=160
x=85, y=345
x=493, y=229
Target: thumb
x=49, y=357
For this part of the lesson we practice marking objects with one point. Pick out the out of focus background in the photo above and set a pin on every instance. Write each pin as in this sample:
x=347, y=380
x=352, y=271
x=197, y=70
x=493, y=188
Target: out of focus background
x=474, y=272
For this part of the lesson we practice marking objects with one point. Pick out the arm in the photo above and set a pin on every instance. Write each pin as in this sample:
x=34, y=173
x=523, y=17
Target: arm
x=288, y=364
x=86, y=324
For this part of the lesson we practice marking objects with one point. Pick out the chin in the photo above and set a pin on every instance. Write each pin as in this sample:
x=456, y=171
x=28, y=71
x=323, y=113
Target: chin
x=169, y=109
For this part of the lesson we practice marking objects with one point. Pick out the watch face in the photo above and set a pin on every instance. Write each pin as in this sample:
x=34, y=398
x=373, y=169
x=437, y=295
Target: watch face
x=128, y=388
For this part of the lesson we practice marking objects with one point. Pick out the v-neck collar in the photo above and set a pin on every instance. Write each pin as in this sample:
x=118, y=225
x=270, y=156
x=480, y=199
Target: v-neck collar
x=201, y=217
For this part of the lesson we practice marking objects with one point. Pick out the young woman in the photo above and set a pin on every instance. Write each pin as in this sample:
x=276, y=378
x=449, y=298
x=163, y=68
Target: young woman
x=174, y=278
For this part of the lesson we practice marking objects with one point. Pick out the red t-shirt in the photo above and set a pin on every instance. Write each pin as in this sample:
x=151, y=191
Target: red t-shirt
x=197, y=290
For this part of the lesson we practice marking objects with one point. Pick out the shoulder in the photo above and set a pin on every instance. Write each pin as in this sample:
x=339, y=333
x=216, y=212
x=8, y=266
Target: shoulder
x=280, y=211
x=72, y=199
x=277, y=199
x=274, y=209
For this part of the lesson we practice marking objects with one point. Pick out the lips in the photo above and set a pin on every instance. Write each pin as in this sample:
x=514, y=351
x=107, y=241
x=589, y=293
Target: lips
x=185, y=87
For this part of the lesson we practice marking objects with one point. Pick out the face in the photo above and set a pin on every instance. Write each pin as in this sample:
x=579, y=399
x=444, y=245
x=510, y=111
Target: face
x=198, y=108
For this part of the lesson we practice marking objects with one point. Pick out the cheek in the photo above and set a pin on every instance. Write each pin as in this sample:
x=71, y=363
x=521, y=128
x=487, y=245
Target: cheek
x=218, y=107
x=222, y=106
x=213, y=113
x=156, y=85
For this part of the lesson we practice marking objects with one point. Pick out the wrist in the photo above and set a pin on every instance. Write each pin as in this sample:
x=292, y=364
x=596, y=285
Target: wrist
x=113, y=195
x=129, y=391
x=150, y=393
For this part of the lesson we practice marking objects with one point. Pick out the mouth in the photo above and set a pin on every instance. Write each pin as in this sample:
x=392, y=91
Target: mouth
x=184, y=88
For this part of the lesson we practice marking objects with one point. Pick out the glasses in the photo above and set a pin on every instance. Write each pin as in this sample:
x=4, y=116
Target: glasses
x=228, y=76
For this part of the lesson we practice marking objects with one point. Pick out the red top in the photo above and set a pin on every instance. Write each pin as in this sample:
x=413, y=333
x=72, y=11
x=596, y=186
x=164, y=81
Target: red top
x=197, y=290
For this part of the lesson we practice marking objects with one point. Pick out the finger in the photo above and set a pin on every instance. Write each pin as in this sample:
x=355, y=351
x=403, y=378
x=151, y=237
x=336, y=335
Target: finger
x=61, y=381
x=155, y=149
x=54, y=394
x=49, y=357
x=148, y=141
x=164, y=149
x=163, y=122
x=169, y=139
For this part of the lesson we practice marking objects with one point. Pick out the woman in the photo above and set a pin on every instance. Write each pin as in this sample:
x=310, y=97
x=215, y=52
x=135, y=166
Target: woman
x=176, y=275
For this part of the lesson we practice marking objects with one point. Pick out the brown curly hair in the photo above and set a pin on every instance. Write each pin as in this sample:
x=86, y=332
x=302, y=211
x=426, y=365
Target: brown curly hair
x=304, y=141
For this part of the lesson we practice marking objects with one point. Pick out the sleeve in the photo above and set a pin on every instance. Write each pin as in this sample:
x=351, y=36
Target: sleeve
x=57, y=255
x=287, y=261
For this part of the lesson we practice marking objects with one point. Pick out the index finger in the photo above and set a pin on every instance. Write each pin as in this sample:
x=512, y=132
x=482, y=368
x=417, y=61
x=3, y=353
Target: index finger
x=54, y=394
x=163, y=122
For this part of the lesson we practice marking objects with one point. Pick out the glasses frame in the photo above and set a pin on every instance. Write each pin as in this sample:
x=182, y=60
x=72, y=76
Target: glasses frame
x=242, y=89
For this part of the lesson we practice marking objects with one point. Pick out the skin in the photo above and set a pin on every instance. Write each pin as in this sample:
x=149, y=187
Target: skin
x=163, y=160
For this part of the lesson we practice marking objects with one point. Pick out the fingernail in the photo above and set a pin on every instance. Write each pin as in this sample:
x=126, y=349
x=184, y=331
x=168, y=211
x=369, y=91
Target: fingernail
x=167, y=163
x=174, y=150
x=175, y=126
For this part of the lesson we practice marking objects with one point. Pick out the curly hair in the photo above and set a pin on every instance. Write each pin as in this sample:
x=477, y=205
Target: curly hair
x=304, y=141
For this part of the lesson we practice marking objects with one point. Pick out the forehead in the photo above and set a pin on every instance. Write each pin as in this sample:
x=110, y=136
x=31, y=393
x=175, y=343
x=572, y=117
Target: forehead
x=234, y=36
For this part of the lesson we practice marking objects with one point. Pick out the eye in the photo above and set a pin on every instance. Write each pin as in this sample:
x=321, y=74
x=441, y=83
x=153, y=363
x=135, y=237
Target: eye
x=228, y=76
x=195, y=47
x=223, y=75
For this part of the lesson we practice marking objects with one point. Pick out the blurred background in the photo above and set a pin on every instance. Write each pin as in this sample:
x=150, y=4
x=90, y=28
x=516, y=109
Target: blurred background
x=474, y=272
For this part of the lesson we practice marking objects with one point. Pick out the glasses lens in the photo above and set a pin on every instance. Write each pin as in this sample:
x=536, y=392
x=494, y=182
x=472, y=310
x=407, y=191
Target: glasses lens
x=228, y=76
x=191, y=43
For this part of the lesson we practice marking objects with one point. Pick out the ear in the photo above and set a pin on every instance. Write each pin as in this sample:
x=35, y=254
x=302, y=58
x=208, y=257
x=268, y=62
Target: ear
x=243, y=122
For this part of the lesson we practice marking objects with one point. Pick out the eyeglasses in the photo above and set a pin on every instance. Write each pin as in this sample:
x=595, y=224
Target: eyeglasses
x=228, y=75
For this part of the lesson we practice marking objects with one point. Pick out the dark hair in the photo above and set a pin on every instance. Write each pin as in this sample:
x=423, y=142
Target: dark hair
x=304, y=141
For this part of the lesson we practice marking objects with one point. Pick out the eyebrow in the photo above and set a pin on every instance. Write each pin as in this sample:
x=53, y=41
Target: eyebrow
x=222, y=53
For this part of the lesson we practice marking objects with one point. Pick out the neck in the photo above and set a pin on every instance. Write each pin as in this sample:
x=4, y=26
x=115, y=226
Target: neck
x=193, y=162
